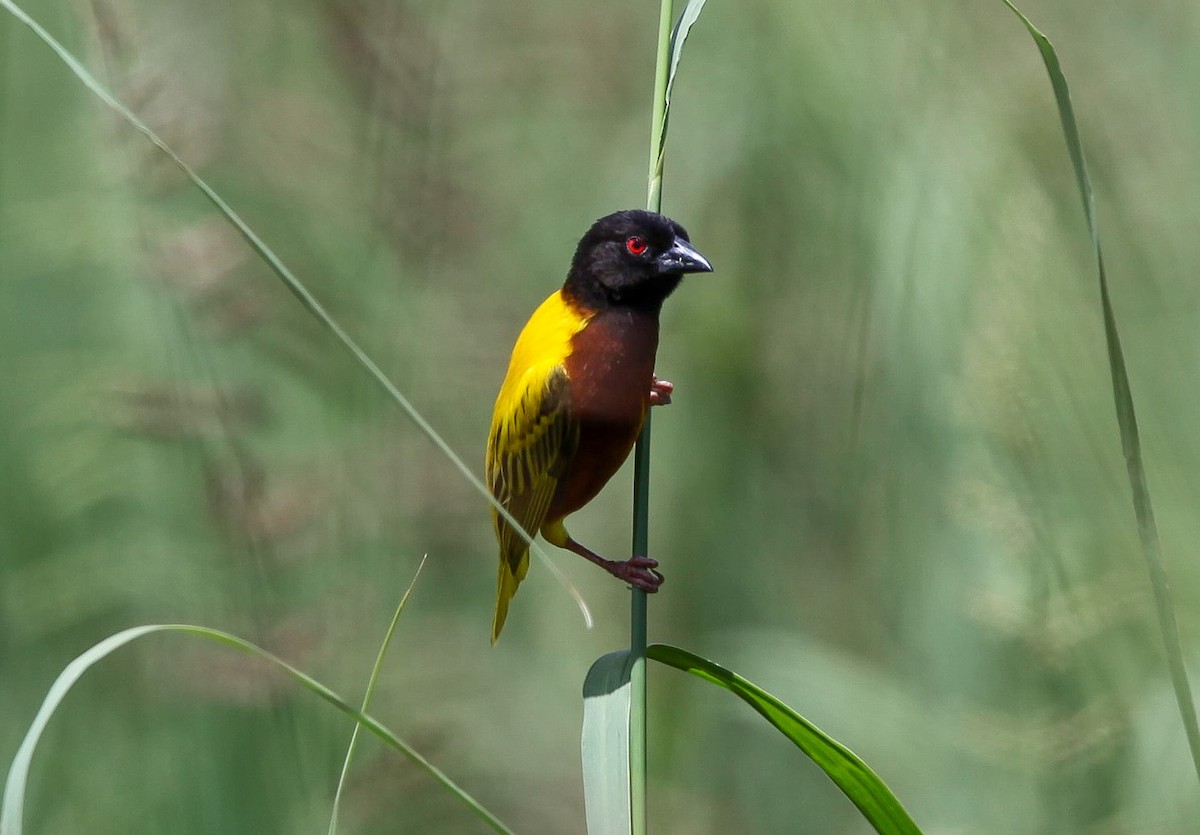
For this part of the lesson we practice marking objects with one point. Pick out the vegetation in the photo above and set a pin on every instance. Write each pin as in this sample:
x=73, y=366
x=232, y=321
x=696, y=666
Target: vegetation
x=890, y=491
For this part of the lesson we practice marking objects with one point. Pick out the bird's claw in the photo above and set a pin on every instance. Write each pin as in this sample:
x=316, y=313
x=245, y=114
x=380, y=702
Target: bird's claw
x=638, y=572
x=660, y=391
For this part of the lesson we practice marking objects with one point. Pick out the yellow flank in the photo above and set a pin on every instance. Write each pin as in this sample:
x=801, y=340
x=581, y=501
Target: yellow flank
x=530, y=430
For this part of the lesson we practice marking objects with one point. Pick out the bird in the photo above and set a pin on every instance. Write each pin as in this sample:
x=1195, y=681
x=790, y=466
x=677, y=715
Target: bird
x=579, y=385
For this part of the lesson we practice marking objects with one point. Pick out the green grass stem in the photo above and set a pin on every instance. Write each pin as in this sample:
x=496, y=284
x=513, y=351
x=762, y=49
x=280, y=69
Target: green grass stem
x=671, y=37
x=641, y=456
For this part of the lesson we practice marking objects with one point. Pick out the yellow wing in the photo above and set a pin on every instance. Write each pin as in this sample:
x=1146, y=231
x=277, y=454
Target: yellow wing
x=532, y=438
x=528, y=451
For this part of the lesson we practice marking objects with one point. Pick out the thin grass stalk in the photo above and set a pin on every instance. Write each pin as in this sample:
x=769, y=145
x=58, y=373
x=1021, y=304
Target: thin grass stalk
x=641, y=460
x=12, y=811
x=662, y=77
x=1131, y=444
x=372, y=680
x=298, y=289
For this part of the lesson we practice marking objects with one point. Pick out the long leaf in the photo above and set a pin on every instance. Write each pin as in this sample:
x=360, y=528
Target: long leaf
x=297, y=289
x=18, y=773
x=1131, y=444
x=683, y=27
x=670, y=53
x=854, y=777
x=604, y=744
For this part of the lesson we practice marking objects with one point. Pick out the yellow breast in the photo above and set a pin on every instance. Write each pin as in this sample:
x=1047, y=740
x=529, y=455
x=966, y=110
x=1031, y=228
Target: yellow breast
x=543, y=345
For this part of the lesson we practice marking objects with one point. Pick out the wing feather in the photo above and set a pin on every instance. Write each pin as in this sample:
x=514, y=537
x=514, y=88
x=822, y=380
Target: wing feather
x=530, y=444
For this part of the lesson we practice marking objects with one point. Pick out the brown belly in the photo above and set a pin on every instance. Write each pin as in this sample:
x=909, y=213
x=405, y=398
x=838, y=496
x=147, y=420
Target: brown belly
x=610, y=369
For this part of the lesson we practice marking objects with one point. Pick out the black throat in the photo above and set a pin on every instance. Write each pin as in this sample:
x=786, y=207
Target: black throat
x=586, y=291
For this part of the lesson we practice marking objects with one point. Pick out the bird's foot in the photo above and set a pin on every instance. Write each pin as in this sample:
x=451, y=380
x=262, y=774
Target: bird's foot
x=636, y=571
x=660, y=392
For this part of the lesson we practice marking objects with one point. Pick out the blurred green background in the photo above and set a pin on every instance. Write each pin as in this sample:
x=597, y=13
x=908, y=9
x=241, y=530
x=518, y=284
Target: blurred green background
x=890, y=489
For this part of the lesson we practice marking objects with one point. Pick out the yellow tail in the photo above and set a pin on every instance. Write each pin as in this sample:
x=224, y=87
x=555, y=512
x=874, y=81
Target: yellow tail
x=506, y=587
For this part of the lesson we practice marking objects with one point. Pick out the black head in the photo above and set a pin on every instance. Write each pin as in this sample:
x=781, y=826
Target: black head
x=632, y=259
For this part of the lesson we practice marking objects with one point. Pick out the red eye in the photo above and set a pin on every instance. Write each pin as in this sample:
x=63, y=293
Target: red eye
x=636, y=245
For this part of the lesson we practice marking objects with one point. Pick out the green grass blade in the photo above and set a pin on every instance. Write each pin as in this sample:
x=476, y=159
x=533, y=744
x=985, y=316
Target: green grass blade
x=366, y=703
x=1131, y=444
x=854, y=777
x=679, y=34
x=296, y=287
x=670, y=53
x=604, y=744
x=18, y=774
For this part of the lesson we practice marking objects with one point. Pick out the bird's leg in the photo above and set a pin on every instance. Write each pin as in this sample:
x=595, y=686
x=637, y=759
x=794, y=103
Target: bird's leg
x=660, y=392
x=637, y=571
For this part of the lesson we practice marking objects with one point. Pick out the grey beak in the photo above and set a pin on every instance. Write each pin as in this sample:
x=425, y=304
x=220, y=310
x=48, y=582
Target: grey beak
x=682, y=257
